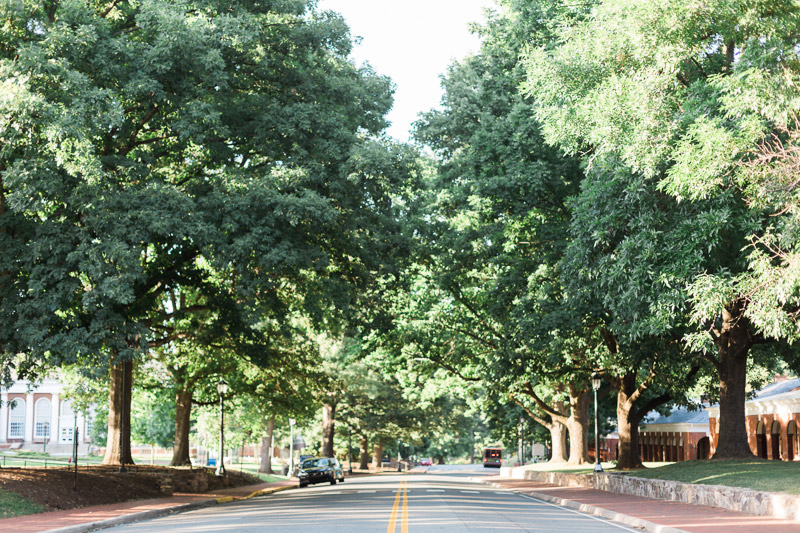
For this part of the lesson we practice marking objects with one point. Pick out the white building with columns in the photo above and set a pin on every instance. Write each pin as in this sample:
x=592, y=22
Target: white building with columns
x=37, y=418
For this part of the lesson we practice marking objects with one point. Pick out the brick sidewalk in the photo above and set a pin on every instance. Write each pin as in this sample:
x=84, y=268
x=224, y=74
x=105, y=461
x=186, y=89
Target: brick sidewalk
x=682, y=516
x=73, y=519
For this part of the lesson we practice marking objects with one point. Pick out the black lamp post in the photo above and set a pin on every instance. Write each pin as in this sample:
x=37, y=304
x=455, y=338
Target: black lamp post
x=75, y=451
x=399, y=457
x=596, y=382
x=291, y=446
x=222, y=390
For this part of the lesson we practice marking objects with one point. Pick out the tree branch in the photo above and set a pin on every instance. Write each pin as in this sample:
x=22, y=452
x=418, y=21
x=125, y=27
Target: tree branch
x=560, y=417
x=474, y=337
x=529, y=412
x=450, y=368
x=142, y=123
x=463, y=301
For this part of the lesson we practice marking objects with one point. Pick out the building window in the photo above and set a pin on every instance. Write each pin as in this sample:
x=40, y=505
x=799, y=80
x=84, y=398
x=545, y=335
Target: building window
x=42, y=427
x=16, y=420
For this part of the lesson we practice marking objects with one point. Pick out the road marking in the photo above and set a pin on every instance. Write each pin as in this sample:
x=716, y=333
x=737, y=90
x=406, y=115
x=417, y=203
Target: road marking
x=393, y=518
x=435, y=490
x=333, y=492
x=367, y=492
x=471, y=491
x=404, y=523
x=401, y=490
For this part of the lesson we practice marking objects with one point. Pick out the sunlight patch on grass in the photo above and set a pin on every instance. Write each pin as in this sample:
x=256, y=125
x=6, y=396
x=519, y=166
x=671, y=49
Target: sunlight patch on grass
x=12, y=504
x=270, y=478
x=756, y=474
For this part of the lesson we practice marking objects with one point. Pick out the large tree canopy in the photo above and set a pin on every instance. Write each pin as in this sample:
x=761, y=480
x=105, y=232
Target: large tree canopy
x=668, y=89
x=155, y=148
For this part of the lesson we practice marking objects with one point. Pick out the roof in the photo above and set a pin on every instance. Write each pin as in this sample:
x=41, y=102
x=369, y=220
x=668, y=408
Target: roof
x=680, y=415
x=780, y=387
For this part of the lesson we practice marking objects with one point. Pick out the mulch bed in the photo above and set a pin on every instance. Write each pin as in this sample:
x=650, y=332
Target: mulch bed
x=53, y=487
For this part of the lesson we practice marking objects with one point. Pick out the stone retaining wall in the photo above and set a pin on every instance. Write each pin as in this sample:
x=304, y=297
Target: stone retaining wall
x=748, y=501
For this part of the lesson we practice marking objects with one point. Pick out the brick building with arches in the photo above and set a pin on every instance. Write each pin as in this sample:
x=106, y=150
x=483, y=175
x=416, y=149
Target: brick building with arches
x=771, y=418
x=38, y=417
x=682, y=435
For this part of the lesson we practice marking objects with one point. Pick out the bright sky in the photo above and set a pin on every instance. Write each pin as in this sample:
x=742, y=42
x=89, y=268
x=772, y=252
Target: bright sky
x=412, y=42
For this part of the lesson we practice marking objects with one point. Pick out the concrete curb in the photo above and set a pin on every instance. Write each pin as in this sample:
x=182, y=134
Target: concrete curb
x=628, y=520
x=157, y=513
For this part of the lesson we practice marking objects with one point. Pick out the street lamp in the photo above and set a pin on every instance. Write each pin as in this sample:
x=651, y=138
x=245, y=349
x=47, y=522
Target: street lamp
x=291, y=446
x=222, y=390
x=349, y=450
x=399, y=457
x=75, y=450
x=596, y=381
x=519, y=446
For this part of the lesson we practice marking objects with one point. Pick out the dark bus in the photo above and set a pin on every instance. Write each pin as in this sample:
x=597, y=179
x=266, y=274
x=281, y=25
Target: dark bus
x=493, y=457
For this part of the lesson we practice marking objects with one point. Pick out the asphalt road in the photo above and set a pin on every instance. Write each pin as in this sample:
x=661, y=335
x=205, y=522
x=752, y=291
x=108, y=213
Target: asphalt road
x=442, y=500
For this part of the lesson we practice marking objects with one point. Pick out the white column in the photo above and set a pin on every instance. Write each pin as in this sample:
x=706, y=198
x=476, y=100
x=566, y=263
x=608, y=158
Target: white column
x=4, y=417
x=54, y=411
x=29, y=417
x=81, y=429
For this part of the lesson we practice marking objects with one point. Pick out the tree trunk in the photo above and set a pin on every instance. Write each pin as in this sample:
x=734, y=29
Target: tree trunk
x=183, y=420
x=734, y=344
x=556, y=426
x=628, y=457
x=328, y=428
x=118, y=446
x=377, y=454
x=572, y=422
x=577, y=425
x=266, y=448
x=364, y=453
x=558, y=438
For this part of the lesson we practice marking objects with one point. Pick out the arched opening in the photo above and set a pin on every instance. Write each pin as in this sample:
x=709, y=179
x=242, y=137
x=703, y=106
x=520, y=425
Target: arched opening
x=761, y=440
x=776, y=440
x=791, y=432
x=41, y=428
x=703, y=448
x=16, y=419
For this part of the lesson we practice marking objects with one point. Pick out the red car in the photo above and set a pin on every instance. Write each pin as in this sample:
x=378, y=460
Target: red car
x=425, y=461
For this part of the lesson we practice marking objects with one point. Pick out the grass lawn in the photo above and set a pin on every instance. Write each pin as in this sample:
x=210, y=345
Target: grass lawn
x=252, y=468
x=12, y=504
x=757, y=474
x=569, y=469
x=269, y=478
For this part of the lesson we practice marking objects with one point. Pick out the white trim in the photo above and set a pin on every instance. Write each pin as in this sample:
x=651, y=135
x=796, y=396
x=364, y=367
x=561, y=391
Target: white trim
x=55, y=409
x=29, y=417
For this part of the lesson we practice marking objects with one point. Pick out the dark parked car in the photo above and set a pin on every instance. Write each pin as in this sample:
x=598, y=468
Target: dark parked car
x=320, y=470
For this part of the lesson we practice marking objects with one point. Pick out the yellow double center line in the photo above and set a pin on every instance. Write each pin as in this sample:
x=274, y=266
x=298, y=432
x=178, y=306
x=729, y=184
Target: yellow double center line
x=402, y=492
